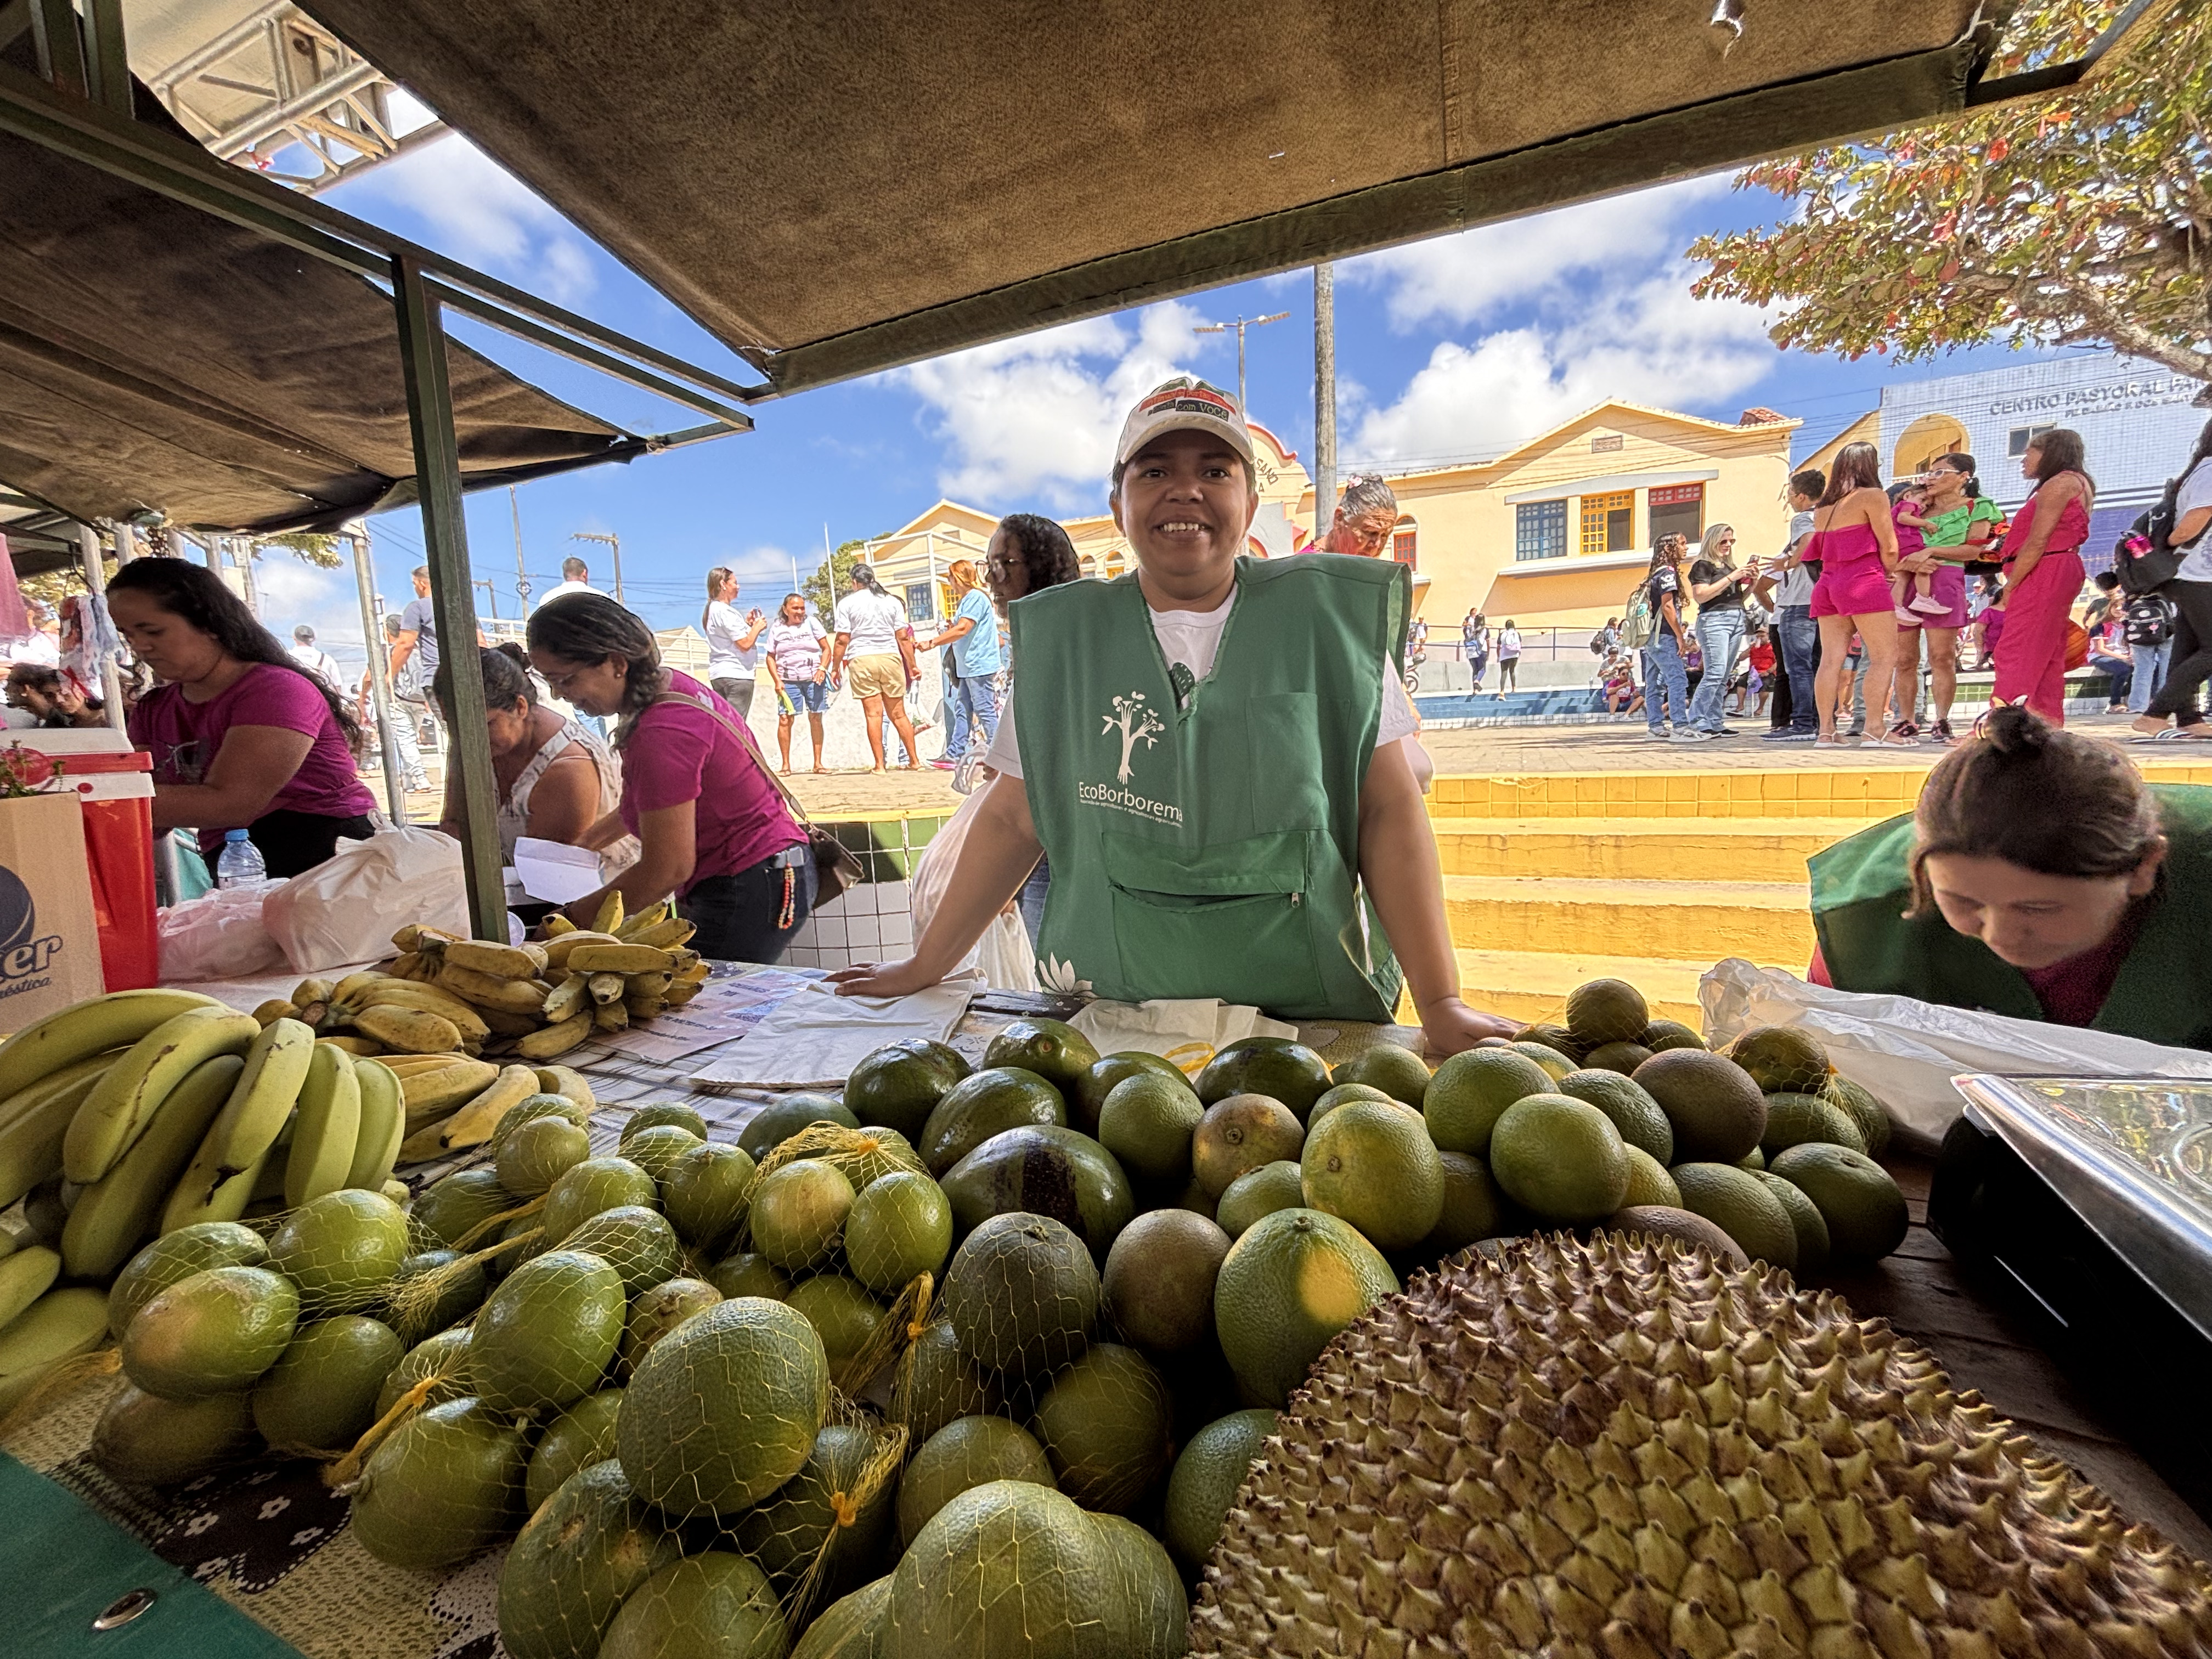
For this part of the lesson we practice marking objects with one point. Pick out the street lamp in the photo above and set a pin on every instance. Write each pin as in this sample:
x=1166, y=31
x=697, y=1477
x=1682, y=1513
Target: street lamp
x=1240, y=325
x=614, y=541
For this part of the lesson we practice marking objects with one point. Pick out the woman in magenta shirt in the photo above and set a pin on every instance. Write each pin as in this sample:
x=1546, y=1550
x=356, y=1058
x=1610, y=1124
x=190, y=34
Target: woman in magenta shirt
x=242, y=736
x=710, y=818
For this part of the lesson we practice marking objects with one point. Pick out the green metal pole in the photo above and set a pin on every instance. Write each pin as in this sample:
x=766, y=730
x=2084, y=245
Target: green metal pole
x=452, y=599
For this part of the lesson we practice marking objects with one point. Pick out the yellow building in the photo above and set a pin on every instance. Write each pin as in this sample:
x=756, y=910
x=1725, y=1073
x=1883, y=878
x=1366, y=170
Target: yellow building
x=1553, y=534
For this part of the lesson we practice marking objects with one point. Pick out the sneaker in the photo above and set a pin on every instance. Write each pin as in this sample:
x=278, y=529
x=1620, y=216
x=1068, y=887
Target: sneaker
x=1941, y=733
x=1928, y=605
x=1692, y=736
x=1907, y=618
x=1790, y=735
x=1657, y=733
x=944, y=765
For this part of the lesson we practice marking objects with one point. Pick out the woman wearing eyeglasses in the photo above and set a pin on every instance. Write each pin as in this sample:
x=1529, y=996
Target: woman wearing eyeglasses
x=712, y=822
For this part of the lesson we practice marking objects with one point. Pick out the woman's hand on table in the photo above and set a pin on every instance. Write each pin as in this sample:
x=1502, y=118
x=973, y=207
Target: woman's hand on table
x=884, y=979
x=1448, y=1026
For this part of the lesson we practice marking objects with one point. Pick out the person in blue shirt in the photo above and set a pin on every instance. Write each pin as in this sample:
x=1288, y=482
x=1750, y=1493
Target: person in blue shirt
x=971, y=699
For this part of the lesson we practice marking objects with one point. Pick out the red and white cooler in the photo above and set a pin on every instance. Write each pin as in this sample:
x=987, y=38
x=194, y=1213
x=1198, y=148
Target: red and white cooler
x=116, y=784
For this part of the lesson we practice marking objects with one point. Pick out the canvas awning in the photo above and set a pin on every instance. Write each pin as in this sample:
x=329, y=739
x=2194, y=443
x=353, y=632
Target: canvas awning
x=154, y=356
x=837, y=187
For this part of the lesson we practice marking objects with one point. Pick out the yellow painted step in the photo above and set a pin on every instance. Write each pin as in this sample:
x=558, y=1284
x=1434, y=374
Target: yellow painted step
x=1531, y=985
x=1638, y=849
x=1763, y=922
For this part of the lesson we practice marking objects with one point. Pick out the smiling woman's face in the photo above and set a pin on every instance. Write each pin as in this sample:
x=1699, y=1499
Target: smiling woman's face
x=595, y=688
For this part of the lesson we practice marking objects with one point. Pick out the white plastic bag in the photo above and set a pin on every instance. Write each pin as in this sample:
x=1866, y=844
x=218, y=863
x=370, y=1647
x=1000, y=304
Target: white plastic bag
x=346, y=909
x=218, y=935
x=1907, y=1051
x=1003, y=954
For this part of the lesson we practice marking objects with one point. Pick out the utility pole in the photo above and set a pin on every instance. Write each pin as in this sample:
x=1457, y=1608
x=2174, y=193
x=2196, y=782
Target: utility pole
x=1240, y=325
x=614, y=541
x=521, y=576
x=379, y=673
x=1324, y=397
x=491, y=595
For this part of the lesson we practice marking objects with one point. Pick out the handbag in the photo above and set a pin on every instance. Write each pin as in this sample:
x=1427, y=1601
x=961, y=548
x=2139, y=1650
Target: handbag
x=836, y=867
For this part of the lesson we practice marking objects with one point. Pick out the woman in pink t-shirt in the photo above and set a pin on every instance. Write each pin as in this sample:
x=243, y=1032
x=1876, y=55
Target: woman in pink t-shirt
x=709, y=816
x=242, y=736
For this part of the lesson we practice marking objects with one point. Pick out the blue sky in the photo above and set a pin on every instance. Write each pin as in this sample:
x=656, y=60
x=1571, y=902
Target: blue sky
x=1454, y=348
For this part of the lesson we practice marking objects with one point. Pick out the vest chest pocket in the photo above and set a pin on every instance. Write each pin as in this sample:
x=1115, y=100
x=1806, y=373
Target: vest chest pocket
x=1283, y=758
x=1228, y=921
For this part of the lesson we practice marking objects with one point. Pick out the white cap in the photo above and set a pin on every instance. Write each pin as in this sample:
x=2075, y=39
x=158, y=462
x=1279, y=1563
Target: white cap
x=1183, y=404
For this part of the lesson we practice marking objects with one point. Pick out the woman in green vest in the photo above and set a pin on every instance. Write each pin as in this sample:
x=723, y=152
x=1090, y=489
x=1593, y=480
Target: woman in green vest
x=1208, y=752
x=2038, y=876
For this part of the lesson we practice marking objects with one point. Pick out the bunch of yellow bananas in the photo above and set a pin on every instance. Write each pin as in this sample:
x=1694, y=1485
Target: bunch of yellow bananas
x=138, y=1113
x=448, y=996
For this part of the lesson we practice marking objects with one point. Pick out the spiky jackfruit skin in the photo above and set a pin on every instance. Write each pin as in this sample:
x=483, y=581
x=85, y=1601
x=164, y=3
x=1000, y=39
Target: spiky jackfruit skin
x=1622, y=1449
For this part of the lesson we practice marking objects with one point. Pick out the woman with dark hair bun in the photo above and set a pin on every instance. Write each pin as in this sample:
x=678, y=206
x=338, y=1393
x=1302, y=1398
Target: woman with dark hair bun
x=554, y=777
x=712, y=822
x=2043, y=574
x=242, y=736
x=2038, y=876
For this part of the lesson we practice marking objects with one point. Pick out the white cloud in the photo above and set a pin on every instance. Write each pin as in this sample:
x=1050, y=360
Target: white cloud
x=290, y=592
x=1474, y=275
x=481, y=215
x=1038, y=416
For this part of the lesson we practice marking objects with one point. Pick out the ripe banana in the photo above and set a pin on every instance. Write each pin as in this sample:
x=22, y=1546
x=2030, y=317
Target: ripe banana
x=327, y=1130
x=569, y=996
x=568, y=1085
x=275, y=1009
x=502, y=1023
x=77, y=1033
x=500, y=961
x=609, y=918
x=423, y=1144
x=405, y=939
x=684, y=958
x=647, y=985
x=357, y=1046
x=410, y=1030
x=554, y=1040
x=31, y=1139
x=25, y=1277
x=30, y=1099
x=113, y=1213
x=605, y=988
x=383, y=1127
x=434, y=1094
x=514, y=996
x=620, y=959
x=353, y=984
x=691, y=972
x=663, y=935
x=261, y=1100
x=645, y=1007
x=312, y=990
x=405, y=1066
x=556, y=949
x=652, y=917
x=123, y=1103
x=681, y=992
x=557, y=924
x=610, y=1016
x=472, y=1125
x=410, y=994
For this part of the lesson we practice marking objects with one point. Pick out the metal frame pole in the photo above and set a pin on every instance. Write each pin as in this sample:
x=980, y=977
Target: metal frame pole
x=95, y=579
x=379, y=688
x=452, y=599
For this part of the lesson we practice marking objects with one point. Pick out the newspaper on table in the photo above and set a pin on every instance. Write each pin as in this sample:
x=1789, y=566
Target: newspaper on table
x=813, y=1039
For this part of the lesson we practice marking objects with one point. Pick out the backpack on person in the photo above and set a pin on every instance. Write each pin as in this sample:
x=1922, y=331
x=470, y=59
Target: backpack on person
x=1639, y=618
x=2147, y=619
x=2146, y=559
x=1598, y=642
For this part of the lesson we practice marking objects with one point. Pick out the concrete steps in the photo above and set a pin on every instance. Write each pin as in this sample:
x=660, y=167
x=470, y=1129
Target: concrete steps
x=1701, y=921
x=1644, y=849
x=1533, y=985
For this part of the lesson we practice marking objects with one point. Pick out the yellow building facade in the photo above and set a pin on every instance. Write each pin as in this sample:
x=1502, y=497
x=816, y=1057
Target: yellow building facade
x=1552, y=534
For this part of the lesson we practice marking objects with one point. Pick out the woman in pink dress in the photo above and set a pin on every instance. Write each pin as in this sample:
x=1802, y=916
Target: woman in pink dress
x=1855, y=539
x=2043, y=574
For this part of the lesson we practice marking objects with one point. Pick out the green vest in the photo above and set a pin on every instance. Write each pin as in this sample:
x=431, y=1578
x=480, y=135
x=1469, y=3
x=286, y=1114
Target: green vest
x=1862, y=886
x=1209, y=847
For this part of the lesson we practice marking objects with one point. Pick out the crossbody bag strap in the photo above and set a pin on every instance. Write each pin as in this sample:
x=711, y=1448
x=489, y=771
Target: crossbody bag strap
x=745, y=737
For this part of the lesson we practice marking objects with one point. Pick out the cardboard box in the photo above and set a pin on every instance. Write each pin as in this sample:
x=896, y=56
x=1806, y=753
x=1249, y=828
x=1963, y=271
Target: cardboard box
x=49, y=935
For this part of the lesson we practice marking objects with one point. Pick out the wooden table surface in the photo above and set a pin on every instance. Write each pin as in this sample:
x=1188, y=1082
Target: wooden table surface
x=1921, y=1293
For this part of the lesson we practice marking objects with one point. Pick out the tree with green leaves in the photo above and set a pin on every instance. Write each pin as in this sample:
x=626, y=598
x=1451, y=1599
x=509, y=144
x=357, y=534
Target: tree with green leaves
x=2080, y=218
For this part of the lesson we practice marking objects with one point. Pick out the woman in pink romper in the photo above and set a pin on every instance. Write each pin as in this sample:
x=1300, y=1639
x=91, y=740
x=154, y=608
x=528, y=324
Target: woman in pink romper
x=2043, y=574
x=1855, y=539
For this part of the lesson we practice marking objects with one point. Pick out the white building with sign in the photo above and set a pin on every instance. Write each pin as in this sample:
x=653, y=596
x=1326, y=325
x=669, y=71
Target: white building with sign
x=2138, y=421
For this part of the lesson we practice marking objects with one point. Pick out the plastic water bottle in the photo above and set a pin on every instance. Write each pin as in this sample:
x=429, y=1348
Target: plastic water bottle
x=241, y=862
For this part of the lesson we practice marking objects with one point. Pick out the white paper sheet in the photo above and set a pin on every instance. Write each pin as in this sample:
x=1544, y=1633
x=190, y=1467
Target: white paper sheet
x=553, y=872
x=814, y=1038
x=1160, y=1026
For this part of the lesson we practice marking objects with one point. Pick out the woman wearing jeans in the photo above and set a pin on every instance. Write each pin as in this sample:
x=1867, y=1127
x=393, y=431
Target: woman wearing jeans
x=1718, y=587
x=2189, y=660
x=710, y=818
x=1666, y=684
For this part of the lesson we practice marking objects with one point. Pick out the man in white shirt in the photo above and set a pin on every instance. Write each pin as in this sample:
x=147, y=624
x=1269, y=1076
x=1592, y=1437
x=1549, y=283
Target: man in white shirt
x=313, y=658
x=575, y=578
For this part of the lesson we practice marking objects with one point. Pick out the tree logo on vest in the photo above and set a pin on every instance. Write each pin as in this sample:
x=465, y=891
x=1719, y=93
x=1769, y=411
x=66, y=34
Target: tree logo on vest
x=1133, y=721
